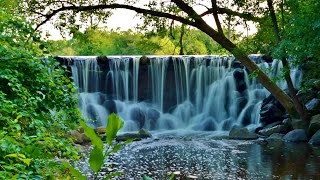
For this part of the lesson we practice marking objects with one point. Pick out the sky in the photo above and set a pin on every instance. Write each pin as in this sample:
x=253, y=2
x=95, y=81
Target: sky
x=125, y=19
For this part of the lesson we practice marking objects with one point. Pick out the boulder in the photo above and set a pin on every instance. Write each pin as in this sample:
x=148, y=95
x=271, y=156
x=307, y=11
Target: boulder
x=313, y=105
x=78, y=138
x=267, y=58
x=272, y=130
x=100, y=130
x=239, y=76
x=276, y=137
x=299, y=124
x=111, y=106
x=127, y=136
x=271, y=111
x=153, y=117
x=138, y=116
x=144, y=133
x=144, y=60
x=314, y=125
x=236, y=64
x=242, y=134
x=208, y=124
x=315, y=139
x=296, y=135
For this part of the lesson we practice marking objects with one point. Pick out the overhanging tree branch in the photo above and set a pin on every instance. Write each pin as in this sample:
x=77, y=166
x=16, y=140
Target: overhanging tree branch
x=246, y=16
x=116, y=6
x=215, y=15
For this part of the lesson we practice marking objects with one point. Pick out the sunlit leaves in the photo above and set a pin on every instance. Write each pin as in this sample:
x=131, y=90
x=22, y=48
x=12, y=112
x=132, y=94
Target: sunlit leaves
x=114, y=125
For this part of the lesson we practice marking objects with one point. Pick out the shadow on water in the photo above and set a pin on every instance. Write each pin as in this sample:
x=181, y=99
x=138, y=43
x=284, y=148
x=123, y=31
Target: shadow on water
x=212, y=157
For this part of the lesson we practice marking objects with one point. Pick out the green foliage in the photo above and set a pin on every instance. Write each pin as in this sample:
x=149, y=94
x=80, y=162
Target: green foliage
x=37, y=104
x=102, y=42
x=114, y=125
x=99, y=154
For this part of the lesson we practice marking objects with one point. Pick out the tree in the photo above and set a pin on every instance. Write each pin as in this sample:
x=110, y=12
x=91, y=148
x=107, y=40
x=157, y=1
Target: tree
x=176, y=10
x=37, y=103
x=297, y=103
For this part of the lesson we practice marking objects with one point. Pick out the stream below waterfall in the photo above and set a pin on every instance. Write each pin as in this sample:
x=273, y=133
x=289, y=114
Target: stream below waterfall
x=210, y=155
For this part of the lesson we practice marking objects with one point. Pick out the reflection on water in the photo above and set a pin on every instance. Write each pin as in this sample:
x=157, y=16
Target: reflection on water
x=210, y=157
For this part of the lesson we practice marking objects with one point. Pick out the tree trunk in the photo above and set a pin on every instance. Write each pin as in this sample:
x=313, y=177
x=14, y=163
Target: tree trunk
x=298, y=105
x=240, y=55
x=182, y=32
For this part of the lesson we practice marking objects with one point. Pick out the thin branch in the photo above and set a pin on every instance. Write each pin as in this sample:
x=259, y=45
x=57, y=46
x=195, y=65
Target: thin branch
x=215, y=15
x=116, y=6
x=246, y=16
x=44, y=15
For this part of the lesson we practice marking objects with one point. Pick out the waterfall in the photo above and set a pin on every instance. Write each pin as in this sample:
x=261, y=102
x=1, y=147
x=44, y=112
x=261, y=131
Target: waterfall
x=190, y=92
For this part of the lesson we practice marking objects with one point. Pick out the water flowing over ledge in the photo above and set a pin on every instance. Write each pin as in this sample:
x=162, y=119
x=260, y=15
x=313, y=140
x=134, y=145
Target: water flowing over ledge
x=204, y=93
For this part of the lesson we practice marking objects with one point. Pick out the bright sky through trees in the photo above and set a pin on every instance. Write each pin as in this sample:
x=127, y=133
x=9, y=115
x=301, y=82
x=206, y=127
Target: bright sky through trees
x=125, y=19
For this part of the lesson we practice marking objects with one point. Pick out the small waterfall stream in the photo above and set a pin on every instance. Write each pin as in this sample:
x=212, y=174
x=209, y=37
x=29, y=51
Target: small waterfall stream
x=176, y=92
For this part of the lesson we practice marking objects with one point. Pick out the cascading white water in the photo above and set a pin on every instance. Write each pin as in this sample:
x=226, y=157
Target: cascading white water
x=189, y=92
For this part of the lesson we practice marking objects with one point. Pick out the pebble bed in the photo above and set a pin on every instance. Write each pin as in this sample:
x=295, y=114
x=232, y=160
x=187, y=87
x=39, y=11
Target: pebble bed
x=195, y=156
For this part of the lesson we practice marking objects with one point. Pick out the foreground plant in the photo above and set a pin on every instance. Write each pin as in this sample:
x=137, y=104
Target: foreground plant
x=100, y=153
x=37, y=103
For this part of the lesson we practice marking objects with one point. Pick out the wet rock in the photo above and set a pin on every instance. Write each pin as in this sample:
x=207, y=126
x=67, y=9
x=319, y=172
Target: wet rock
x=236, y=64
x=299, y=124
x=137, y=115
x=208, y=124
x=287, y=122
x=111, y=106
x=242, y=102
x=239, y=76
x=144, y=60
x=127, y=136
x=276, y=137
x=296, y=135
x=153, y=117
x=315, y=139
x=272, y=130
x=92, y=113
x=78, y=138
x=267, y=58
x=271, y=111
x=100, y=97
x=242, y=134
x=313, y=105
x=100, y=130
x=144, y=133
x=314, y=125
x=273, y=124
x=241, y=85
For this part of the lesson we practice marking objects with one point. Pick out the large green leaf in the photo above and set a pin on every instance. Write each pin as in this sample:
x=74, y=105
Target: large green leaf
x=96, y=159
x=76, y=173
x=95, y=139
x=114, y=125
x=111, y=175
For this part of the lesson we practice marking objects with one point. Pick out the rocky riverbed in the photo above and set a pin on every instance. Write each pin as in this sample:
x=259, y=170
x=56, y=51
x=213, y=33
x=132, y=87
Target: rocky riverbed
x=211, y=155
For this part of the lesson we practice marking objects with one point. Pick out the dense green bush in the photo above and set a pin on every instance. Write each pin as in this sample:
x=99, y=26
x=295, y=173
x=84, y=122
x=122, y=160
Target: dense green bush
x=37, y=105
